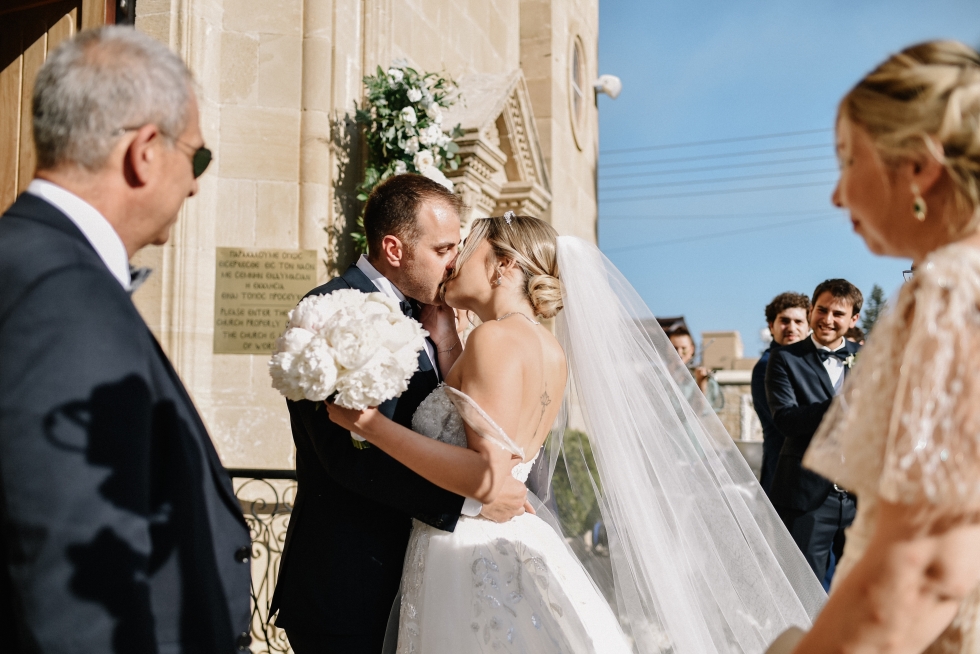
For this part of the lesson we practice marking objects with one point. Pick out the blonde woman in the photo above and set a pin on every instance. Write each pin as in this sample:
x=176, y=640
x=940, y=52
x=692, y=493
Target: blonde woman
x=702, y=564
x=905, y=433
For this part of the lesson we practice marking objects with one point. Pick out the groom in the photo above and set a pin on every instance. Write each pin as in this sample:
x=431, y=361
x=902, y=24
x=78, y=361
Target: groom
x=345, y=546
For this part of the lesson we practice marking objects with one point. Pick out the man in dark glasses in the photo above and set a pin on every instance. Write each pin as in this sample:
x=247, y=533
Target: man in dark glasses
x=119, y=528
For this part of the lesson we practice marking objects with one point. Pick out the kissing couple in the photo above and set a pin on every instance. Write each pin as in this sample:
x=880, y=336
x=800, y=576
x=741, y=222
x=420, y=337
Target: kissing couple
x=426, y=540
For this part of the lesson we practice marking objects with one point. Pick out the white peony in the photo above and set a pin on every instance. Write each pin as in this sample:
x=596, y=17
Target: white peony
x=357, y=345
x=424, y=159
x=408, y=115
x=396, y=76
x=436, y=175
x=401, y=168
x=414, y=95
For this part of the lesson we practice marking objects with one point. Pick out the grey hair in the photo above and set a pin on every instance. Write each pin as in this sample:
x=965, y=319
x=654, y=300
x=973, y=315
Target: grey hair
x=100, y=82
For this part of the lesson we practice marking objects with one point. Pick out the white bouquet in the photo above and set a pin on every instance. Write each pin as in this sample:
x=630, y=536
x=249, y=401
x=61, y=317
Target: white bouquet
x=357, y=345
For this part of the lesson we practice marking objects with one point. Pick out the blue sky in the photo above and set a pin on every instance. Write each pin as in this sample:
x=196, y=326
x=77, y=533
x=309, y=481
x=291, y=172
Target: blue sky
x=701, y=71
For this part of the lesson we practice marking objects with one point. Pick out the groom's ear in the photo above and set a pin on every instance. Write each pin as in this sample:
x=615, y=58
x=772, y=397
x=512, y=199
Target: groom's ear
x=392, y=251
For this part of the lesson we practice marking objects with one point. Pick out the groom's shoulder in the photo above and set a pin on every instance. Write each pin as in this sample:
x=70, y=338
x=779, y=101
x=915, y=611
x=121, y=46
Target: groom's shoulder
x=335, y=284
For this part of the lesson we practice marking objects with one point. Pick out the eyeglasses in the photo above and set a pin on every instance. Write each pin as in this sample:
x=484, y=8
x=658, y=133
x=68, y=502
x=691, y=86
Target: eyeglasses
x=200, y=157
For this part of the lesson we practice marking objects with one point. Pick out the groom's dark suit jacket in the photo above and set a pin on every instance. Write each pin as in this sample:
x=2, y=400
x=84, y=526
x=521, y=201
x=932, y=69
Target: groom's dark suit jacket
x=119, y=529
x=345, y=545
x=799, y=392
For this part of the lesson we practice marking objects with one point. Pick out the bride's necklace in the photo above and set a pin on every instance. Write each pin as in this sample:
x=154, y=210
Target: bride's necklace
x=518, y=313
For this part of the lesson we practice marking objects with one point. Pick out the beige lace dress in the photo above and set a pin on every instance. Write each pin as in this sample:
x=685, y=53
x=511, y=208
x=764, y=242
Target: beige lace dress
x=907, y=426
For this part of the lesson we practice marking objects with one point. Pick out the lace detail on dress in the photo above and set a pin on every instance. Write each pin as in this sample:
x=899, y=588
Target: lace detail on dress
x=907, y=425
x=438, y=419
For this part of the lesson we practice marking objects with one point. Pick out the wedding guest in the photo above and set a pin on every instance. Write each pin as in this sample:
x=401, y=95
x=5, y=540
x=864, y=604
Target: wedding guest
x=905, y=434
x=801, y=381
x=119, y=528
x=682, y=341
x=786, y=317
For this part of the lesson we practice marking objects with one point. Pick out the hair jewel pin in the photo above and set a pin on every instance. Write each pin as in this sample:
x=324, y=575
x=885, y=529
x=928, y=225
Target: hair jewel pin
x=509, y=216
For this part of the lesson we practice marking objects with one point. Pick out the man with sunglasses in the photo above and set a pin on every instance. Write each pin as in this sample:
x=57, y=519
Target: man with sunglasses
x=119, y=528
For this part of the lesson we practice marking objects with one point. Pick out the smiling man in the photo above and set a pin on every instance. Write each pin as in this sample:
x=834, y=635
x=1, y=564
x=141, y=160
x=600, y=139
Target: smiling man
x=801, y=381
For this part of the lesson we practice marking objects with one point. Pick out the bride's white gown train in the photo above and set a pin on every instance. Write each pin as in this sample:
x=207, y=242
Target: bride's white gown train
x=488, y=587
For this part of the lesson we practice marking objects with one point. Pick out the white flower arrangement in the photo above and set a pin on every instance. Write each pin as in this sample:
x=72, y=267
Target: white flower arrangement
x=402, y=116
x=359, y=346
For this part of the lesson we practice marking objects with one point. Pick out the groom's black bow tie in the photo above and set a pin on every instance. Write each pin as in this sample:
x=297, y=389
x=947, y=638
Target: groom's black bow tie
x=840, y=354
x=410, y=308
x=137, y=276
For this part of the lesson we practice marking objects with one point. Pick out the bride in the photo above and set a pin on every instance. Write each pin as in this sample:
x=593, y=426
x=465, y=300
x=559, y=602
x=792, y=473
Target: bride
x=701, y=563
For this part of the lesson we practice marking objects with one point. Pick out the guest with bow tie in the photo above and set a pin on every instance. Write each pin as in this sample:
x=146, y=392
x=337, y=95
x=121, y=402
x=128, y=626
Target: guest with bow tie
x=801, y=381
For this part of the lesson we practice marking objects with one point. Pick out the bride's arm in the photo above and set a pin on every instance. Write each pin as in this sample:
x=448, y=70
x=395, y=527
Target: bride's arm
x=488, y=370
x=906, y=588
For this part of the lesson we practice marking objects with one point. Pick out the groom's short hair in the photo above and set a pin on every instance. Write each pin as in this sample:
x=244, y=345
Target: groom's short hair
x=394, y=206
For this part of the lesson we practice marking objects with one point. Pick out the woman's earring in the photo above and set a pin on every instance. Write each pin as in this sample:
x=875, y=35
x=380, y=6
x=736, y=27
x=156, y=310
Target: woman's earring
x=918, y=204
x=499, y=279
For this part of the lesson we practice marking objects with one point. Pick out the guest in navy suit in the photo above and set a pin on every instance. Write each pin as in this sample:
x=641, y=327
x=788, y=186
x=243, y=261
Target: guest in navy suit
x=801, y=381
x=786, y=316
x=342, y=561
x=119, y=529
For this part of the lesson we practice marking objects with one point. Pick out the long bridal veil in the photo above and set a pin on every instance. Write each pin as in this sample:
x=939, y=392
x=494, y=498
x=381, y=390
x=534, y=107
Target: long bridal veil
x=701, y=563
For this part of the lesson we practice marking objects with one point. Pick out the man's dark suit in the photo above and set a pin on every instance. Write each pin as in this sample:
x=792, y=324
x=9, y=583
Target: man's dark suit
x=119, y=529
x=799, y=391
x=772, y=439
x=345, y=546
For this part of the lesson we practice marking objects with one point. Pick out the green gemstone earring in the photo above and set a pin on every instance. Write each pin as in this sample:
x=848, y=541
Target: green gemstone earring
x=918, y=204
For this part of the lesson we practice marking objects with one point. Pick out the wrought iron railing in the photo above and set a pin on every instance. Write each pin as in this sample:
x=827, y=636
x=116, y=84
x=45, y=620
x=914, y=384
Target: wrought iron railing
x=267, y=498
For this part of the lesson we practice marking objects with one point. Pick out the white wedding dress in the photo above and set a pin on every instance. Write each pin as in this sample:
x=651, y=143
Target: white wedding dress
x=700, y=561
x=489, y=587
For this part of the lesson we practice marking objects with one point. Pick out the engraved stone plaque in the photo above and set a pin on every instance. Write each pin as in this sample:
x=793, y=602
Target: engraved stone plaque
x=254, y=292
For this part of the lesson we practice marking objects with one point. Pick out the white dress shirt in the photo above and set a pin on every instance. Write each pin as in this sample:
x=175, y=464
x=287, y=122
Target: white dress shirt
x=833, y=365
x=91, y=224
x=470, y=506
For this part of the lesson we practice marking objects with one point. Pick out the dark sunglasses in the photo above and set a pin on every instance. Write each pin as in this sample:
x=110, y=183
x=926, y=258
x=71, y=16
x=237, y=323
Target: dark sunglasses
x=200, y=159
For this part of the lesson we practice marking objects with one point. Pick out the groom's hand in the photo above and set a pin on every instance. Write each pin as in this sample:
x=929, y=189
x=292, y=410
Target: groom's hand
x=510, y=502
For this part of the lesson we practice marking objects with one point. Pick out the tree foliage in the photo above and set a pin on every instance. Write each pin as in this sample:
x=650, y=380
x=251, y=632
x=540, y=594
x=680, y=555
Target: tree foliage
x=873, y=308
x=578, y=508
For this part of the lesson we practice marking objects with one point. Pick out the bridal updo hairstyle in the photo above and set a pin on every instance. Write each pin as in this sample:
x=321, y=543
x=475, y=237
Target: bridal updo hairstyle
x=925, y=100
x=531, y=243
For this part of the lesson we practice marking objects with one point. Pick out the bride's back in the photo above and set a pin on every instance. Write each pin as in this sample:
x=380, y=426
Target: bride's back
x=515, y=370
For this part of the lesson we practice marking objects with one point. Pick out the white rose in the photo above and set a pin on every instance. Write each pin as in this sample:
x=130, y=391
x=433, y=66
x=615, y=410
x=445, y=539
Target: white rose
x=434, y=111
x=412, y=146
x=396, y=76
x=424, y=159
x=436, y=175
x=408, y=115
x=414, y=95
x=401, y=168
x=430, y=135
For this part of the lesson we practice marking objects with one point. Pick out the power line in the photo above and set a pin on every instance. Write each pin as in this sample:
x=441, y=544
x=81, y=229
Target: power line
x=702, y=237
x=737, y=139
x=719, y=192
x=724, y=155
x=720, y=216
x=700, y=169
x=740, y=178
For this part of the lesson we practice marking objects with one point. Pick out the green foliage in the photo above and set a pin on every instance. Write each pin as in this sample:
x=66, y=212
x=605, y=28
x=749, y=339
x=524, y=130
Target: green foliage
x=873, y=308
x=402, y=122
x=578, y=509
